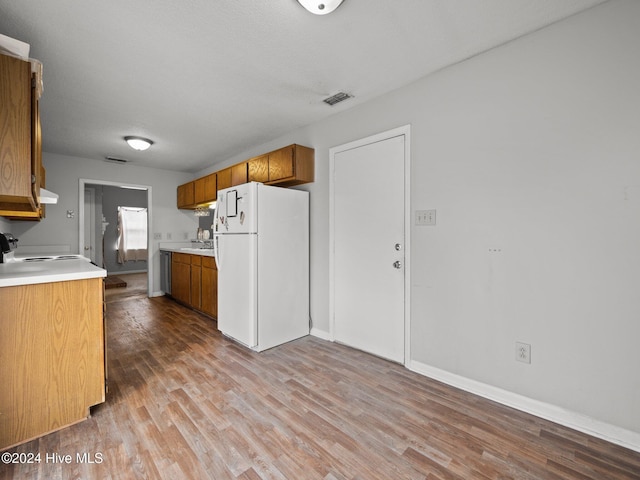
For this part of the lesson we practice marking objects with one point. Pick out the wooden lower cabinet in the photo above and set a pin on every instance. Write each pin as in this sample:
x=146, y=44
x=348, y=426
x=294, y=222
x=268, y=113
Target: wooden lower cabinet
x=209, y=287
x=194, y=282
x=181, y=277
x=52, y=357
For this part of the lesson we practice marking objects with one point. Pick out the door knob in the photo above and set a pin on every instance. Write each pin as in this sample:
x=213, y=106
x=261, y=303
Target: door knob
x=397, y=264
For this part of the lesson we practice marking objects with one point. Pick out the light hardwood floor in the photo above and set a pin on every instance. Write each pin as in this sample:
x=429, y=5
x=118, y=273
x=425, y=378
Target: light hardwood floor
x=186, y=403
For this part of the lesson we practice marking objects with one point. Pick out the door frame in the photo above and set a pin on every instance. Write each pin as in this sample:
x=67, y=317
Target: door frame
x=82, y=183
x=90, y=202
x=396, y=132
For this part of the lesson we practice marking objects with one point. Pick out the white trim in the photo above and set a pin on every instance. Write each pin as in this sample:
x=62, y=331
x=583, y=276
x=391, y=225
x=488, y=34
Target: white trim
x=82, y=182
x=324, y=335
x=396, y=132
x=91, y=193
x=567, y=418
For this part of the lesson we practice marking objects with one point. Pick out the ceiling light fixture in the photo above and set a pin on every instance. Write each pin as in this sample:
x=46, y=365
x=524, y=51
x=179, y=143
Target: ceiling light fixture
x=320, y=7
x=138, y=143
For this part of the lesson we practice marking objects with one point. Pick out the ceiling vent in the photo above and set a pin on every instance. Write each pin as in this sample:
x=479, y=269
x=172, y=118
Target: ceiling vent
x=337, y=98
x=116, y=160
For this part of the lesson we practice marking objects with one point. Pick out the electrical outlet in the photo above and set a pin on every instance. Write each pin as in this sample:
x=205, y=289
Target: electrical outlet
x=523, y=352
x=157, y=236
x=425, y=217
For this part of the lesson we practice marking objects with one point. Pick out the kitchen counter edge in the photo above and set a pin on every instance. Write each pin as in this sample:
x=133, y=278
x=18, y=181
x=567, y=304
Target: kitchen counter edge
x=205, y=252
x=22, y=273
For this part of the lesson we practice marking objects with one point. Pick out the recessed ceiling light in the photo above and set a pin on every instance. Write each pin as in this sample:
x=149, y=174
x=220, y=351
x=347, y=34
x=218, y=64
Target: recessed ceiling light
x=320, y=7
x=138, y=143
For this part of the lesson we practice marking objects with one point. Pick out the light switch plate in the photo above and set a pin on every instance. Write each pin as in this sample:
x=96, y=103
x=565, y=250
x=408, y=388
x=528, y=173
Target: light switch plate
x=425, y=217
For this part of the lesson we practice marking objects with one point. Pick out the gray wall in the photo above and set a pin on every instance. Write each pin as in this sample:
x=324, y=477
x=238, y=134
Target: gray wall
x=533, y=149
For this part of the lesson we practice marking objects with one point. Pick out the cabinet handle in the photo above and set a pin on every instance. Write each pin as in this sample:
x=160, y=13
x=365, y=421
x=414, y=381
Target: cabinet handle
x=397, y=264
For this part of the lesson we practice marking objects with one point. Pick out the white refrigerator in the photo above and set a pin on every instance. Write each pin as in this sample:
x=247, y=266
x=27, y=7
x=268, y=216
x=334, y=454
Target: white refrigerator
x=261, y=241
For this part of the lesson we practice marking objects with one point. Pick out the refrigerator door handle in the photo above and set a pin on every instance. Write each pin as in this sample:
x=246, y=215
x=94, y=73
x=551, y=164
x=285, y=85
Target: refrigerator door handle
x=216, y=251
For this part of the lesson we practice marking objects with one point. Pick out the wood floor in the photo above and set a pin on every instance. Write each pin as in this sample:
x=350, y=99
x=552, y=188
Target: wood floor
x=186, y=403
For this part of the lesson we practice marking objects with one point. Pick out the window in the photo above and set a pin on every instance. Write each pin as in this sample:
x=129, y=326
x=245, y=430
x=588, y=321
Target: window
x=132, y=234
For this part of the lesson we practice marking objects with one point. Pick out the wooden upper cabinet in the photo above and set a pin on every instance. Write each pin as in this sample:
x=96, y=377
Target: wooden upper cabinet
x=186, y=195
x=258, y=169
x=285, y=167
x=224, y=178
x=281, y=163
x=239, y=174
x=292, y=165
x=206, y=189
x=20, y=141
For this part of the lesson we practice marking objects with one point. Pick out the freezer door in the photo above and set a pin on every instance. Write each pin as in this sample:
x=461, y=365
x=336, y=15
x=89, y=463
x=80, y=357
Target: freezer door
x=236, y=209
x=237, y=287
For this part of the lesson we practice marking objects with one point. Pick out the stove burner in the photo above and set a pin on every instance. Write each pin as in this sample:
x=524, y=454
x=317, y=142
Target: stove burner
x=52, y=258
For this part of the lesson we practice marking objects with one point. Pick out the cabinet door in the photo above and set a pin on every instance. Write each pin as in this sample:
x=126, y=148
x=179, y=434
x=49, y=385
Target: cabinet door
x=205, y=189
x=211, y=187
x=196, y=286
x=239, y=174
x=53, y=363
x=199, y=190
x=15, y=135
x=209, y=287
x=180, y=278
x=258, y=169
x=281, y=164
x=224, y=178
x=186, y=195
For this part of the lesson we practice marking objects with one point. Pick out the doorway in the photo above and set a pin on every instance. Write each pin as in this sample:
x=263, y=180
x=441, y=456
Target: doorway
x=369, y=236
x=85, y=184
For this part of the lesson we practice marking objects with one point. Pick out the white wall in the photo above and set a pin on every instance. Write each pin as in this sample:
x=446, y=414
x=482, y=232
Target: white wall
x=531, y=149
x=63, y=175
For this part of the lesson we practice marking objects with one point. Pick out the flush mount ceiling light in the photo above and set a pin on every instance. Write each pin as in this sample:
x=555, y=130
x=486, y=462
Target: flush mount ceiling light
x=320, y=7
x=138, y=143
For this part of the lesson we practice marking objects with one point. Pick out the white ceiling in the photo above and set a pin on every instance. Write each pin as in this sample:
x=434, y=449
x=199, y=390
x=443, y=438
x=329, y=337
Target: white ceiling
x=206, y=79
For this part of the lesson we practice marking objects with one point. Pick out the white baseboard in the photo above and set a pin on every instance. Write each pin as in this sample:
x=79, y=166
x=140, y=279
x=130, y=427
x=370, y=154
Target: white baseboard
x=320, y=334
x=567, y=418
x=158, y=293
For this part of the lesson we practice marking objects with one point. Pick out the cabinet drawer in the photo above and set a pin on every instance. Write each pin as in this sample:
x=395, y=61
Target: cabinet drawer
x=196, y=259
x=181, y=258
x=209, y=262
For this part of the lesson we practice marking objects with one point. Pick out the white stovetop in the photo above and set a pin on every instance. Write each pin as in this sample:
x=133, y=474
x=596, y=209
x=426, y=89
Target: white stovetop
x=27, y=273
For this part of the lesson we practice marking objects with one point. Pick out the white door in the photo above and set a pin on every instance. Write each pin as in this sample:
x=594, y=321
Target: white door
x=369, y=246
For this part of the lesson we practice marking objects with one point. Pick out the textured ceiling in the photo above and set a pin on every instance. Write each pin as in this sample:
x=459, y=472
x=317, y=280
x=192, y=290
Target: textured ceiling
x=205, y=79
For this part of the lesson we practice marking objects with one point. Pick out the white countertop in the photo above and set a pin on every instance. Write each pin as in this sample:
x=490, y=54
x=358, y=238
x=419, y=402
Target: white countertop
x=27, y=273
x=205, y=252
